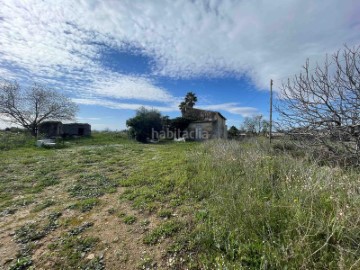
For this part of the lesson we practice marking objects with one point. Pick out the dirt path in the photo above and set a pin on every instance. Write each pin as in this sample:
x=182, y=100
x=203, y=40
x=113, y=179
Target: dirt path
x=120, y=245
x=109, y=233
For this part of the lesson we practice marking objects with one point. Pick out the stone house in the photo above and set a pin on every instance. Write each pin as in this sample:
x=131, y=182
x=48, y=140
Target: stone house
x=205, y=124
x=77, y=129
x=52, y=129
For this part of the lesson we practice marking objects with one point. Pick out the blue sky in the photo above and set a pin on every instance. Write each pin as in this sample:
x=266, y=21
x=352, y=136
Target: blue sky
x=111, y=57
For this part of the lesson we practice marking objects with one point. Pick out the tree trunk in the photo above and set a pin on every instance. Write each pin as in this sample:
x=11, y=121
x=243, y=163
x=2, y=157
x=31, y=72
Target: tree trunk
x=33, y=130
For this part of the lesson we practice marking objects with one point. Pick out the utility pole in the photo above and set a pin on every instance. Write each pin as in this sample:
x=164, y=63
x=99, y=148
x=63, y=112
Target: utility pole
x=271, y=100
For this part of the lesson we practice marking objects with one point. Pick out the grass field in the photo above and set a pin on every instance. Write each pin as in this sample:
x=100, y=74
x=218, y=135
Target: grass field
x=107, y=202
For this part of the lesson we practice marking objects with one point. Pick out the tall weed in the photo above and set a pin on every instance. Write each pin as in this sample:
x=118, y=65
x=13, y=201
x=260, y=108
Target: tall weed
x=272, y=211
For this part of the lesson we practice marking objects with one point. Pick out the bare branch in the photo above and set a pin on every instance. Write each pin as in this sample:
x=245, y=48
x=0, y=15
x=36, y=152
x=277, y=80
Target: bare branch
x=32, y=106
x=325, y=103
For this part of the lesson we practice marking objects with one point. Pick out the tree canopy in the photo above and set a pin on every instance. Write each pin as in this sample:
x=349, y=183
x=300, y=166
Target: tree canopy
x=189, y=102
x=146, y=124
x=255, y=124
x=179, y=124
x=31, y=106
x=233, y=132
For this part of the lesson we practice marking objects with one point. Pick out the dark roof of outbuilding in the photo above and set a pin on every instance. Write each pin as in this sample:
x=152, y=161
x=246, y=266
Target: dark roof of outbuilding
x=76, y=124
x=202, y=115
x=50, y=123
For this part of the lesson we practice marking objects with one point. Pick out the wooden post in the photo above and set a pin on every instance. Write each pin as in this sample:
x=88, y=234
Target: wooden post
x=271, y=100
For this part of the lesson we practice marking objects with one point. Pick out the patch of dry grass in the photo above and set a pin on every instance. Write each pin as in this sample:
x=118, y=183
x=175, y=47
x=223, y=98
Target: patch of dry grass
x=82, y=182
x=216, y=205
x=270, y=210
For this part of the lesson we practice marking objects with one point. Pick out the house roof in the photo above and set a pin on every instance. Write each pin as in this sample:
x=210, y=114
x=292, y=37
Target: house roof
x=221, y=115
x=63, y=124
x=77, y=124
x=202, y=115
x=48, y=124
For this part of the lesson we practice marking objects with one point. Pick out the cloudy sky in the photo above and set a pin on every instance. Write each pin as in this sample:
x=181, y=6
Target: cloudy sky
x=112, y=57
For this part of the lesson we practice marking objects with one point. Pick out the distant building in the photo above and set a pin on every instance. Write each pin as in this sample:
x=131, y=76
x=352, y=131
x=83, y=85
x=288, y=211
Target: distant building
x=205, y=124
x=52, y=129
x=76, y=129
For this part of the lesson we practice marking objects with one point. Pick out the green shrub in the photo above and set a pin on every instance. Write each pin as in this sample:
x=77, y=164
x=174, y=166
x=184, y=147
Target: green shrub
x=144, y=123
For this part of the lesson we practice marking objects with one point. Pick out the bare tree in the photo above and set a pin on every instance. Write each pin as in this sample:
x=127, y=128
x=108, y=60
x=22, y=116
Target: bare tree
x=30, y=107
x=255, y=124
x=265, y=126
x=258, y=119
x=249, y=125
x=322, y=105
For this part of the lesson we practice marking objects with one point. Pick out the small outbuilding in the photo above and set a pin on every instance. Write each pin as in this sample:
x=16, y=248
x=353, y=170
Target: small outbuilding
x=76, y=129
x=205, y=124
x=52, y=129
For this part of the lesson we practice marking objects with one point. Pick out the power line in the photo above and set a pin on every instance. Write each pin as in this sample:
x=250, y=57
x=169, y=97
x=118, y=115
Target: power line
x=271, y=99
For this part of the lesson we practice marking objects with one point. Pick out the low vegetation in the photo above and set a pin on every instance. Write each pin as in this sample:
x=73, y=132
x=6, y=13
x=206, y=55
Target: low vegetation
x=15, y=139
x=107, y=202
x=272, y=211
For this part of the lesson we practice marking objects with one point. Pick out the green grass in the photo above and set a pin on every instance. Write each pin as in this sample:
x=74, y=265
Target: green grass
x=34, y=231
x=270, y=210
x=43, y=205
x=28, y=236
x=92, y=186
x=21, y=263
x=69, y=252
x=165, y=229
x=129, y=219
x=165, y=213
x=79, y=229
x=78, y=176
x=13, y=140
x=147, y=262
x=85, y=205
x=101, y=138
x=28, y=233
x=213, y=205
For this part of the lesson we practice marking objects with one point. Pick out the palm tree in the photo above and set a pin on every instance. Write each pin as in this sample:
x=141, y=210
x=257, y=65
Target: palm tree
x=190, y=99
x=182, y=106
x=189, y=102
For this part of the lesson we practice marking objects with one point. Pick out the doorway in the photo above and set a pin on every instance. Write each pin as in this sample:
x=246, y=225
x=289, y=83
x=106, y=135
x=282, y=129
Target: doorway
x=81, y=132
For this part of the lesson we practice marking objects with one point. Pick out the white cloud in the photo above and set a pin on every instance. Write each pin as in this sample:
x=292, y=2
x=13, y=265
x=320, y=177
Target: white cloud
x=89, y=118
x=232, y=108
x=121, y=105
x=58, y=41
x=263, y=39
x=43, y=42
x=130, y=87
x=6, y=122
